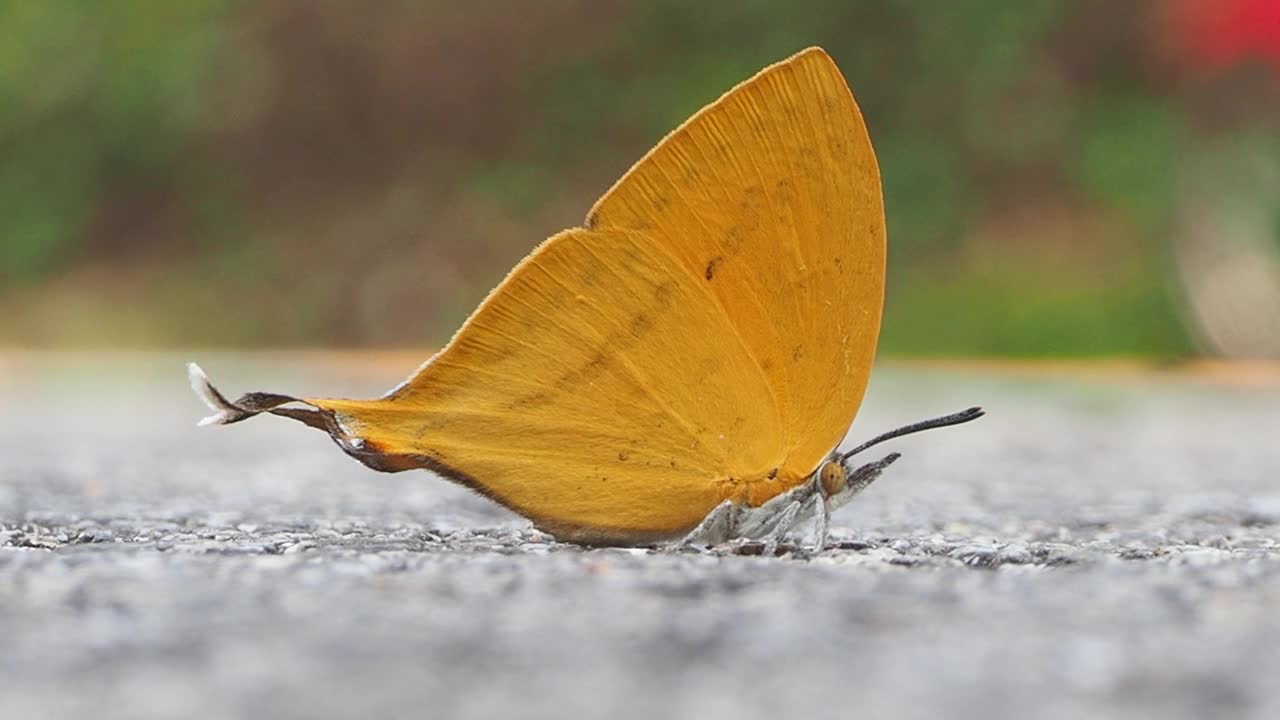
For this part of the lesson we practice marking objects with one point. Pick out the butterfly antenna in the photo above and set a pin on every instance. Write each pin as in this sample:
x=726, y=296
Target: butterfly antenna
x=963, y=416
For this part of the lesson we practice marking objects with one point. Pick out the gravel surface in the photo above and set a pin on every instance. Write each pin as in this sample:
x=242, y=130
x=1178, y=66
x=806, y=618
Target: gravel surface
x=1100, y=545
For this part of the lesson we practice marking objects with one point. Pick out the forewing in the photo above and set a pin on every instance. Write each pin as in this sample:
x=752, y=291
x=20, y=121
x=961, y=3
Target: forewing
x=771, y=196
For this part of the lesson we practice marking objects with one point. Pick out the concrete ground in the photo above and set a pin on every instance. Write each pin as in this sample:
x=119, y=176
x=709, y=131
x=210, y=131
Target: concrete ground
x=1101, y=545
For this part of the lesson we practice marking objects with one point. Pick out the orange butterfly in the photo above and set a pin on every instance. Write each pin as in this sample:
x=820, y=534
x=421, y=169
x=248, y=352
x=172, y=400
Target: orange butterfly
x=680, y=367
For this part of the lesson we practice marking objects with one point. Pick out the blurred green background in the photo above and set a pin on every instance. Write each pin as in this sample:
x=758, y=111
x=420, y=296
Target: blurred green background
x=1082, y=177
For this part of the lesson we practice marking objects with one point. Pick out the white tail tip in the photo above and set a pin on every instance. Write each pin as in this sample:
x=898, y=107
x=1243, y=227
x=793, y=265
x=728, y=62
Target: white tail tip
x=204, y=390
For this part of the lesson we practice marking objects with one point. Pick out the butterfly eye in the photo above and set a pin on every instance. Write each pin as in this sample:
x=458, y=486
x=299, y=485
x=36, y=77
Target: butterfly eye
x=831, y=476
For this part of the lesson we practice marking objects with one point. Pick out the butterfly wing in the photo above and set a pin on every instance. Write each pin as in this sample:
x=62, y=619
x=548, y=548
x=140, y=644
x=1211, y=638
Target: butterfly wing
x=599, y=389
x=708, y=335
x=772, y=195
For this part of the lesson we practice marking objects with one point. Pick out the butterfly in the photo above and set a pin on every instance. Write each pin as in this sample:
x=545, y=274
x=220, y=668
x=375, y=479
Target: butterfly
x=683, y=365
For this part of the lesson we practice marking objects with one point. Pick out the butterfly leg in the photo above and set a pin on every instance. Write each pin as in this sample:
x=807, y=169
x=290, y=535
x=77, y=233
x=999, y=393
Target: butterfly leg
x=717, y=527
x=781, y=524
x=820, y=523
x=814, y=507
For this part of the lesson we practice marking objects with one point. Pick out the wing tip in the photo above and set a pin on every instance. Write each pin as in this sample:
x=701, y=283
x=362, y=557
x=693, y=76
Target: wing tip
x=812, y=51
x=813, y=55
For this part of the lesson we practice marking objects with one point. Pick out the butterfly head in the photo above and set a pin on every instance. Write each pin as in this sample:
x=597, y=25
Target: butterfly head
x=832, y=477
x=838, y=478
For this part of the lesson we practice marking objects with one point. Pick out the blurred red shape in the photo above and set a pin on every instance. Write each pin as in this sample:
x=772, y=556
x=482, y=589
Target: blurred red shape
x=1215, y=35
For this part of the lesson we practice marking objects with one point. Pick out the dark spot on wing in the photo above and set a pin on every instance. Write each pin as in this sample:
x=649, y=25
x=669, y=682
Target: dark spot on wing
x=597, y=361
x=732, y=239
x=623, y=455
x=707, y=368
x=712, y=265
x=534, y=400
x=663, y=292
x=773, y=473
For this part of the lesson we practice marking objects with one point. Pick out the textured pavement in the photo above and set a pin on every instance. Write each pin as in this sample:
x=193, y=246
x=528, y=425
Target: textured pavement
x=1102, y=545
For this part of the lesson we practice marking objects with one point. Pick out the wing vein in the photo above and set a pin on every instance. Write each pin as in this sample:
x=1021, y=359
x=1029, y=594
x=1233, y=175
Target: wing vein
x=690, y=274
x=649, y=389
